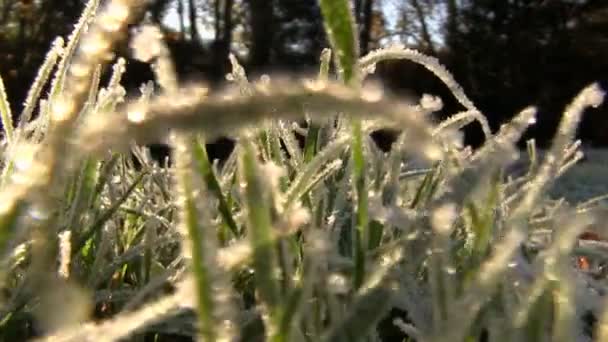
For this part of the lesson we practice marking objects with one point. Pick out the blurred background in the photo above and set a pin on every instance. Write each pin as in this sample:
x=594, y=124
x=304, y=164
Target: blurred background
x=507, y=54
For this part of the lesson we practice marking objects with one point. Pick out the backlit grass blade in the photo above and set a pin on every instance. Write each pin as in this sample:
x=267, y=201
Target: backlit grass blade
x=5, y=113
x=41, y=78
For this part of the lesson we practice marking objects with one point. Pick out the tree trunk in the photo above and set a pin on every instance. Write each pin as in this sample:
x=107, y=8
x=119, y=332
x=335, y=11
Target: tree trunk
x=366, y=25
x=426, y=36
x=223, y=38
x=227, y=27
x=358, y=10
x=194, y=35
x=262, y=30
x=180, y=10
x=452, y=22
x=218, y=24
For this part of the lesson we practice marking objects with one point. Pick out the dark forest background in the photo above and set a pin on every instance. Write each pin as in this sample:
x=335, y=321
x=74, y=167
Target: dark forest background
x=507, y=54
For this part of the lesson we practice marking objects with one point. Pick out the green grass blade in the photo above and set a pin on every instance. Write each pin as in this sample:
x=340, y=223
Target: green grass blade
x=204, y=167
x=341, y=29
x=192, y=221
x=342, y=33
x=260, y=231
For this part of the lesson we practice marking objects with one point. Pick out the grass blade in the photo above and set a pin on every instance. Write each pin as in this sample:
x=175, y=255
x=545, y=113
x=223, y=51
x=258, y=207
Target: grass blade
x=340, y=27
x=206, y=171
x=5, y=113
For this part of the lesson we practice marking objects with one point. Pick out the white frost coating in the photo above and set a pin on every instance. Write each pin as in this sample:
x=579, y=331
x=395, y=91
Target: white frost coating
x=591, y=96
x=508, y=135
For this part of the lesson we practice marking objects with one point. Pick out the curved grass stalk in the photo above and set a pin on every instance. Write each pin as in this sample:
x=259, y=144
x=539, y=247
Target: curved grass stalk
x=457, y=121
x=433, y=65
x=221, y=114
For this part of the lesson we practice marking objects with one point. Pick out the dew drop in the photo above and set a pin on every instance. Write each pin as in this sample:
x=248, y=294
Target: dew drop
x=433, y=152
x=95, y=44
x=137, y=114
x=62, y=109
x=24, y=157
x=110, y=24
x=118, y=10
x=80, y=70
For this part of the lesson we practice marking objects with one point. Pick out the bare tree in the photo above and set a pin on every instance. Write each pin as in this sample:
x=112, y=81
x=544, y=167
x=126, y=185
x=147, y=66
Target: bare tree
x=424, y=28
x=192, y=17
